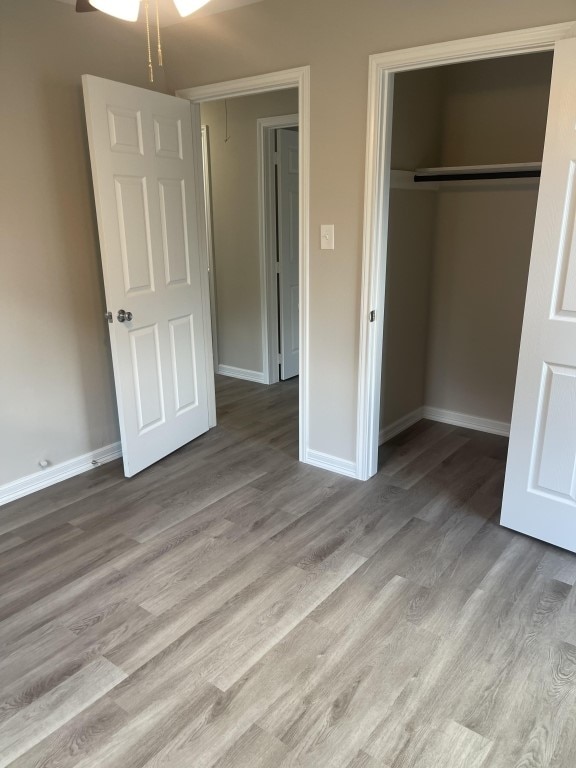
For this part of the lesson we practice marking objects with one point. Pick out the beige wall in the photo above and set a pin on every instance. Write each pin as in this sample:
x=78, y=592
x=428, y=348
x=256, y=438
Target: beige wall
x=335, y=39
x=234, y=176
x=55, y=380
x=55, y=373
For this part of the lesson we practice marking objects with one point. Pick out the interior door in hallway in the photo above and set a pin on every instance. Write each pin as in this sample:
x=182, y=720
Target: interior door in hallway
x=288, y=251
x=540, y=488
x=146, y=167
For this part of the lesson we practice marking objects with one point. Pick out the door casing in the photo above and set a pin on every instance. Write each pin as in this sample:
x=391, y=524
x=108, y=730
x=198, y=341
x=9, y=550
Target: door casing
x=266, y=128
x=382, y=69
x=209, y=238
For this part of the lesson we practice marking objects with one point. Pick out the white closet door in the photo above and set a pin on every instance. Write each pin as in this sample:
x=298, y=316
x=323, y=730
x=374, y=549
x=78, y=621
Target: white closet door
x=150, y=224
x=540, y=487
x=288, y=252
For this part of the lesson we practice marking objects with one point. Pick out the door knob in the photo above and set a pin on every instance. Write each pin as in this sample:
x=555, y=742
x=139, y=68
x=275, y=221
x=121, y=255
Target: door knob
x=123, y=316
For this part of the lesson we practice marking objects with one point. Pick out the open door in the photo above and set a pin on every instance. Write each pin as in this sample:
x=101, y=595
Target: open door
x=540, y=488
x=288, y=252
x=146, y=163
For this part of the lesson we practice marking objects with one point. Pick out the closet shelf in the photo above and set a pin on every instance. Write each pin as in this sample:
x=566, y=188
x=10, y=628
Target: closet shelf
x=478, y=172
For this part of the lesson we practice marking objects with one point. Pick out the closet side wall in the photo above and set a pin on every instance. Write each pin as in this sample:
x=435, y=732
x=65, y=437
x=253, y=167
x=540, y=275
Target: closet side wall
x=416, y=141
x=493, y=112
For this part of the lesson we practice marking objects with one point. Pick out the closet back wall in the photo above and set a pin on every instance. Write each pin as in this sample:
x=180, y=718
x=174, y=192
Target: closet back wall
x=493, y=112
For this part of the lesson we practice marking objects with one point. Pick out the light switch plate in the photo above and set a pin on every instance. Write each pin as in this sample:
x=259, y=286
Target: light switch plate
x=327, y=237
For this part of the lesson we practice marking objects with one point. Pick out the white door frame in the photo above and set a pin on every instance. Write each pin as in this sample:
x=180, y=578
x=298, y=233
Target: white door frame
x=289, y=78
x=377, y=187
x=209, y=239
x=266, y=127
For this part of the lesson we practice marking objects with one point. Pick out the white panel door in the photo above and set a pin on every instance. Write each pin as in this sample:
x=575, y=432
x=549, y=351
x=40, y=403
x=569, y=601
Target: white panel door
x=540, y=487
x=150, y=223
x=288, y=252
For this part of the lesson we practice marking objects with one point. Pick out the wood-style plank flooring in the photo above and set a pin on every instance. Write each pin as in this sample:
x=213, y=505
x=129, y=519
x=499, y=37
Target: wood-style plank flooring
x=233, y=608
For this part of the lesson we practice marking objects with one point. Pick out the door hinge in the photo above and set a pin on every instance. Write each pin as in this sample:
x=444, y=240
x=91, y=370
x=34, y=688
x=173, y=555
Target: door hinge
x=279, y=359
x=277, y=267
x=109, y=317
x=372, y=315
x=275, y=157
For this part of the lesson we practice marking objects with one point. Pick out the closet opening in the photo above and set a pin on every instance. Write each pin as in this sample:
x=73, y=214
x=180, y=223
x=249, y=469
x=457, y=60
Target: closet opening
x=466, y=153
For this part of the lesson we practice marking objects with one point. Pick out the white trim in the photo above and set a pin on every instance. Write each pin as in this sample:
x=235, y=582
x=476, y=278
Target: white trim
x=289, y=78
x=398, y=426
x=242, y=373
x=331, y=463
x=55, y=474
x=382, y=68
x=466, y=420
x=265, y=127
x=197, y=158
x=515, y=43
x=450, y=170
x=246, y=86
x=210, y=238
x=446, y=417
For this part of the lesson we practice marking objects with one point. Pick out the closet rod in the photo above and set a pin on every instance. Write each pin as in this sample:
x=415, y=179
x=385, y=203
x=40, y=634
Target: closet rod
x=477, y=175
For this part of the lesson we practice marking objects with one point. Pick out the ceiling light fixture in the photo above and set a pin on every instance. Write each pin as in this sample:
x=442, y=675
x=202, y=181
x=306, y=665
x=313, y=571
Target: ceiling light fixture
x=128, y=10
x=186, y=7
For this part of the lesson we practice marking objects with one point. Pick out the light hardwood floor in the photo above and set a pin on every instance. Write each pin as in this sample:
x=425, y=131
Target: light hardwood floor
x=231, y=607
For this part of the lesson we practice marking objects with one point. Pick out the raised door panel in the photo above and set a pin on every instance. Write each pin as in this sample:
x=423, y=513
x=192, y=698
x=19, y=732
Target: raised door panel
x=134, y=229
x=125, y=128
x=565, y=288
x=174, y=231
x=168, y=138
x=184, y=369
x=148, y=389
x=554, y=459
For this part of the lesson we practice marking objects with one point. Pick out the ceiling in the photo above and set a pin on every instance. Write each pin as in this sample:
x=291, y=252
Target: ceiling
x=169, y=15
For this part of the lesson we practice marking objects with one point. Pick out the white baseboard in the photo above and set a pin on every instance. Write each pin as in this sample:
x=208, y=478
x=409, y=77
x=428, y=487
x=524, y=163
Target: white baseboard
x=446, y=417
x=331, y=463
x=466, y=420
x=242, y=373
x=55, y=474
x=387, y=433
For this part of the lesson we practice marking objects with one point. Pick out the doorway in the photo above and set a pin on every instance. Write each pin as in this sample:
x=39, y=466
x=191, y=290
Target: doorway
x=383, y=68
x=539, y=445
x=251, y=199
x=291, y=79
x=467, y=147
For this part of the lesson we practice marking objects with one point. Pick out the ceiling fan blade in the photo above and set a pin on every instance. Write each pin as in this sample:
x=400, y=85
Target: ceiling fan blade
x=83, y=5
